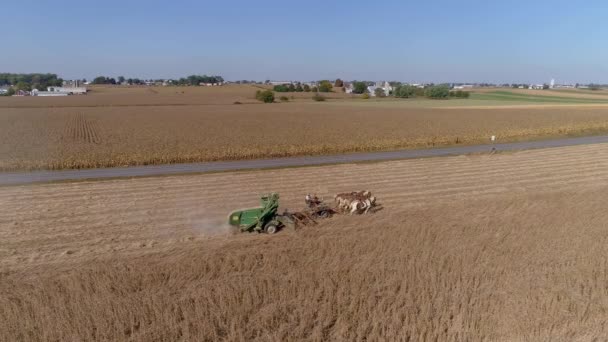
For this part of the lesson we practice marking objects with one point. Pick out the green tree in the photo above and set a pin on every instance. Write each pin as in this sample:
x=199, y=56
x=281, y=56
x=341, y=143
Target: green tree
x=314, y=89
x=404, y=91
x=299, y=88
x=121, y=79
x=10, y=91
x=291, y=87
x=339, y=83
x=35, y=82
x=325, y=86
x=438, y=92
x=359, y=87
x=21, y=85
x=307, y=88
x=100, y=80
x=266, y=96
x=280, y=88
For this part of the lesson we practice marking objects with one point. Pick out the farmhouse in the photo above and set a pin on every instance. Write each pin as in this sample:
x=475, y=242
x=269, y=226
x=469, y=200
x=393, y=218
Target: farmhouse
x=386, y=87
x=348, y=87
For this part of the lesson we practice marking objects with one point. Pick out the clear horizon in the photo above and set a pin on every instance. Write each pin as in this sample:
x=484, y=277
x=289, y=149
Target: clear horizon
x=446, y=41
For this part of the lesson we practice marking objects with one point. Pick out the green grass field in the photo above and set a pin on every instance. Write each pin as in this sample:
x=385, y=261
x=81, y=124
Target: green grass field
x=601, y=92
x=527, y=98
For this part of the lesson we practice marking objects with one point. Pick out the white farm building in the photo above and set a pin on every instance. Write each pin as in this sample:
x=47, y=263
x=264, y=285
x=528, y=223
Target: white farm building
x=68, y=90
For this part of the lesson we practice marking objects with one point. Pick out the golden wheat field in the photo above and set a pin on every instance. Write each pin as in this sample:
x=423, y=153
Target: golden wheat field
x=155, y=125
x=503, y=247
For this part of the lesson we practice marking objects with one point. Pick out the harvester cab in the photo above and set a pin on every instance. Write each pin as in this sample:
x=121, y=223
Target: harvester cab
x=261, y=219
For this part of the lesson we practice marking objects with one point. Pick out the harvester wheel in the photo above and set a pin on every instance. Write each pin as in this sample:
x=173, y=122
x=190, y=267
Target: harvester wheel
x=324, y=214
x=271, y=229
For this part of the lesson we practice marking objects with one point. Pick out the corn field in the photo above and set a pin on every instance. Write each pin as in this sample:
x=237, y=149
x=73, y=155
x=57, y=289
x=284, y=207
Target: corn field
x=108, y=136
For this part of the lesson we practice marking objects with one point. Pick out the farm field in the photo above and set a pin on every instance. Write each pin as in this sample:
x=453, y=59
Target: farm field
x=547, y=97
x=133, y=96
x=502, y=247
x=141, y=126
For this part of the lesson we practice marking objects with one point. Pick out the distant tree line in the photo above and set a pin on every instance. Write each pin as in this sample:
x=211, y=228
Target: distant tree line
x=104, y=80
x=135, y=81
x=325, y=86
x=195, y=80
x=250, y=82
x=192, y=80
x=460, y=94
x=406, y=91
x=441, y=91
x=30, y=81
x=298, y=87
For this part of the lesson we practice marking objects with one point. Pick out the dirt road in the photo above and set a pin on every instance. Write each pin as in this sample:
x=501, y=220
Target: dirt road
x=12, y=178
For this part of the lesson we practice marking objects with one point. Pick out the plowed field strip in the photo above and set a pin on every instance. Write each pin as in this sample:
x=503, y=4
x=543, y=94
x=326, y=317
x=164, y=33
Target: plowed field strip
x=432, y=189
x=493, y=172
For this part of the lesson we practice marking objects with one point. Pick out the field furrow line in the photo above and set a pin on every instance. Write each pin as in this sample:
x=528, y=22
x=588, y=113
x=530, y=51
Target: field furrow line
x=521, y=185
x=549, y=188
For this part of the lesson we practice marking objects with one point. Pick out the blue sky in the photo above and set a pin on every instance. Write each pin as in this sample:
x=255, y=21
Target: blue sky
x=417, y=41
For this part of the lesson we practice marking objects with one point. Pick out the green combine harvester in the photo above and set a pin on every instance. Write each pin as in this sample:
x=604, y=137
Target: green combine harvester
x=266, y=219
x=262, y=219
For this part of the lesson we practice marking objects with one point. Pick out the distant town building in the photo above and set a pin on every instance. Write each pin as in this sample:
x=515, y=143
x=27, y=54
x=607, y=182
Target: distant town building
x=464, y=86
x=348, y=87
x=37, y=92
x=552, y=84
x=68, y=90
x=386, y=87
x=280, y=82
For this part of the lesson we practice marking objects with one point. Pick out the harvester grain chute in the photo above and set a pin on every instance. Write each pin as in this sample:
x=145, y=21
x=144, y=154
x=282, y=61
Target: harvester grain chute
x=267, y=219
